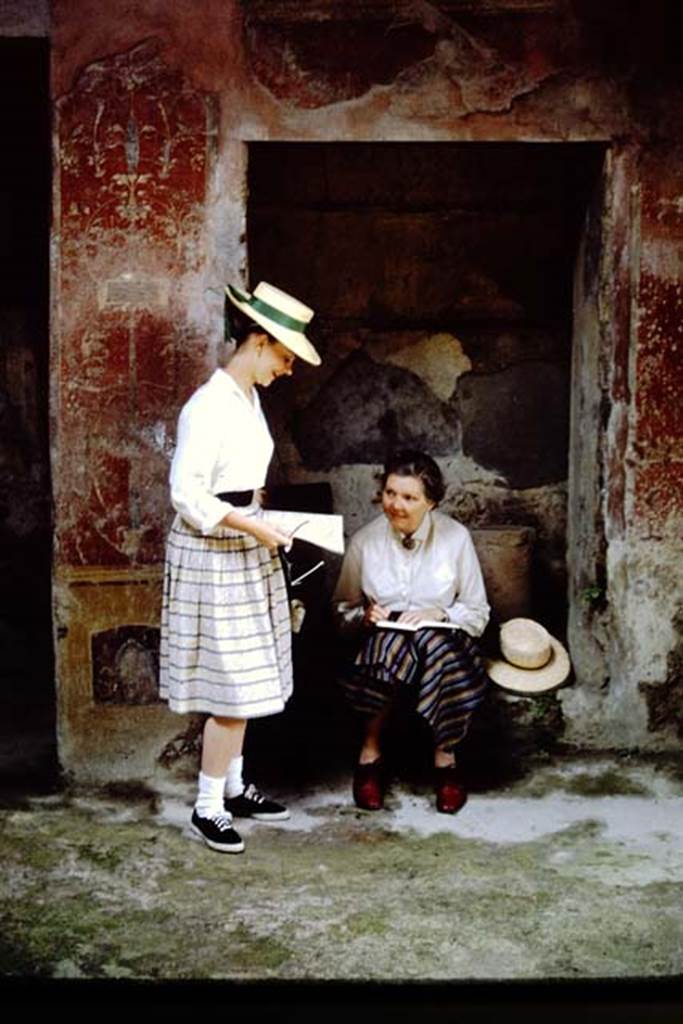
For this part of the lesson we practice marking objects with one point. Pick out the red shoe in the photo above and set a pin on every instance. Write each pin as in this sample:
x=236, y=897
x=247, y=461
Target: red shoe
x=451, y=795
x=368, y=786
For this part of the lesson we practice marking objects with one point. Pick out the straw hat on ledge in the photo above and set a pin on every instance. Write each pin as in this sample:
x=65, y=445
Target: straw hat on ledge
x=532, y=660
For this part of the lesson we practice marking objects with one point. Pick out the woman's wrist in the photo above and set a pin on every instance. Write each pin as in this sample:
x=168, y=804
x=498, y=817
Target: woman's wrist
x=233, y=520
x=244, y=524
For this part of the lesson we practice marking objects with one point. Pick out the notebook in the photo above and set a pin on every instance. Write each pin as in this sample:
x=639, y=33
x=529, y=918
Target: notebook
x=412, y=627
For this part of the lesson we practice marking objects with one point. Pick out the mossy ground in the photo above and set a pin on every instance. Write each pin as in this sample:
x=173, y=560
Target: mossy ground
x=111, y=887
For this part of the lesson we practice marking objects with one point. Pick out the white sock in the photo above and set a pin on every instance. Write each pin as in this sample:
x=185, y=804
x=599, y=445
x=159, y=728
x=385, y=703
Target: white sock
x=210, y=796
x=234, y=785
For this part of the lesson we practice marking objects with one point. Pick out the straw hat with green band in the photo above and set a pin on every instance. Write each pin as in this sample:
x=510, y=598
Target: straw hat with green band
x=282, y=316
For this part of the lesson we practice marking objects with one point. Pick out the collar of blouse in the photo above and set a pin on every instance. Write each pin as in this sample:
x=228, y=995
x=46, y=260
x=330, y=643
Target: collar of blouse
x=411, y=542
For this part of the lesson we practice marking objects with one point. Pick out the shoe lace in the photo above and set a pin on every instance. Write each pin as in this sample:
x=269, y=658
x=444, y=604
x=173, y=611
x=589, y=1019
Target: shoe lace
x=223, y=821
x=252, y=793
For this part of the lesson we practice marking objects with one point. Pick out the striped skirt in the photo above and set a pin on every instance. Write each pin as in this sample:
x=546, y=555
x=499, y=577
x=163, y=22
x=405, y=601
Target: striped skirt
x=443, y=668
x=225, y=626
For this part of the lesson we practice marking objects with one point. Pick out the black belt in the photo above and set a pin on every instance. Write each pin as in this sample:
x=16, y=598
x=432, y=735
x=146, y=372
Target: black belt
x=237, y=497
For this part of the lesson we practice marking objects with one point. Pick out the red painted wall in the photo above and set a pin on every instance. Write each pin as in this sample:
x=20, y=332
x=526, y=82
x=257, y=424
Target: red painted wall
x=136, y=141
x=658, y=370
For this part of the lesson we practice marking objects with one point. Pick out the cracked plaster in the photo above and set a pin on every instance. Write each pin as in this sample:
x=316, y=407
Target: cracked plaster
x=438, y=359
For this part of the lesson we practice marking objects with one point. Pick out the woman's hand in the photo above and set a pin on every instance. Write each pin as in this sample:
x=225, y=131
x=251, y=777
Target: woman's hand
x=374, y=613
x=269, y=535
x=260, y=529
x=423, y=614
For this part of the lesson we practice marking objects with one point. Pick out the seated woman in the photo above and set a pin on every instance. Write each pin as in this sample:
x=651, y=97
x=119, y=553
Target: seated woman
x=415, y=565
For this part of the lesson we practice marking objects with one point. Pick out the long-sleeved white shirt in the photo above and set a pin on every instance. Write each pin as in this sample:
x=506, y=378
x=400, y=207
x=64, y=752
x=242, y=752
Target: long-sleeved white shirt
x=441, y=571
x=223, y=444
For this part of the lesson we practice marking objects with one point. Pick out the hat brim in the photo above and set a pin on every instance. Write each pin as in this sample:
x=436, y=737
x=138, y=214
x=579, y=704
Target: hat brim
x=531, y=680
x=295, y=341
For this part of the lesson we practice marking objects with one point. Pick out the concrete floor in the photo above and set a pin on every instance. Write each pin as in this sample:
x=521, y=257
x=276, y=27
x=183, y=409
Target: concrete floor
x=569, y=874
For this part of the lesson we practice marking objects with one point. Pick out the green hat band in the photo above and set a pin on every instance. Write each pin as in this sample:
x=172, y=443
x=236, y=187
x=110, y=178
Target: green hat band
x=270, y=312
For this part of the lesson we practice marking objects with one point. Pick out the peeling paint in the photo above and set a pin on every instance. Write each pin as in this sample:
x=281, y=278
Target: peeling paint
x=316, y=64
x=659, y=409
x=438, y=359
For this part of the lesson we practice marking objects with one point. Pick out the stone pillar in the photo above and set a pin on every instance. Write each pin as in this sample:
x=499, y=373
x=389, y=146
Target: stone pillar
x=134, y=144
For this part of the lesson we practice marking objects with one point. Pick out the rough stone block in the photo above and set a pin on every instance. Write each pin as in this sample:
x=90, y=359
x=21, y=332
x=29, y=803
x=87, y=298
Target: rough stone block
x=505, y=554
x=365, y=410
x=517, y=422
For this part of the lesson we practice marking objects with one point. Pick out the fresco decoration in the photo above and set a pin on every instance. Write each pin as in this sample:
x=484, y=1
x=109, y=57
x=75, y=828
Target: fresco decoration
x=125, y=665
x=135, y=152
x=415, y=48
x=133, y=158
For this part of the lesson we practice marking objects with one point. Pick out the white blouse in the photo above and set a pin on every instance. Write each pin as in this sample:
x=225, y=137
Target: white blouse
x=223, y=444
x=442, y=570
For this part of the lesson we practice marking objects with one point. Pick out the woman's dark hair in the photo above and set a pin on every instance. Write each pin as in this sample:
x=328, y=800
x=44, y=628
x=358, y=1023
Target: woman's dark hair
x=411, y=462
x=239, y=326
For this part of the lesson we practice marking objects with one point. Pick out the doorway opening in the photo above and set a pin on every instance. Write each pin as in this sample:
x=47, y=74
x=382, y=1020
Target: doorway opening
x=444, y=282
x=453, y=264
x=27, y=737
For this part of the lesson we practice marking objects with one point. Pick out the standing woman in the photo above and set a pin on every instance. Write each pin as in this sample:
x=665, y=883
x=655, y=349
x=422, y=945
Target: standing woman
x=225, y=623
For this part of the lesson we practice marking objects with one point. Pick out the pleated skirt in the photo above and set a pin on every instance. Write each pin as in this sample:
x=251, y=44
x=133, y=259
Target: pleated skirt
x=443, y=668
x=225, y=626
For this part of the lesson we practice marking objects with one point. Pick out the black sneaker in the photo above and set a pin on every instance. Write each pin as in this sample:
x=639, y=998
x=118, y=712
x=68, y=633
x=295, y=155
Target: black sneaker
x=252, y=804
x=217, y=832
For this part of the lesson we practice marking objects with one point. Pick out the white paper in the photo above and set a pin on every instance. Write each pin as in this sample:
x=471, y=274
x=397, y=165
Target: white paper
x=412, y=627
x=325, y=531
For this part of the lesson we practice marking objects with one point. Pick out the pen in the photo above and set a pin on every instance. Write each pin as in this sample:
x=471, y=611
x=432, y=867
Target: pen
x=307, y=573
x=288, y=546
x=298, y=527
